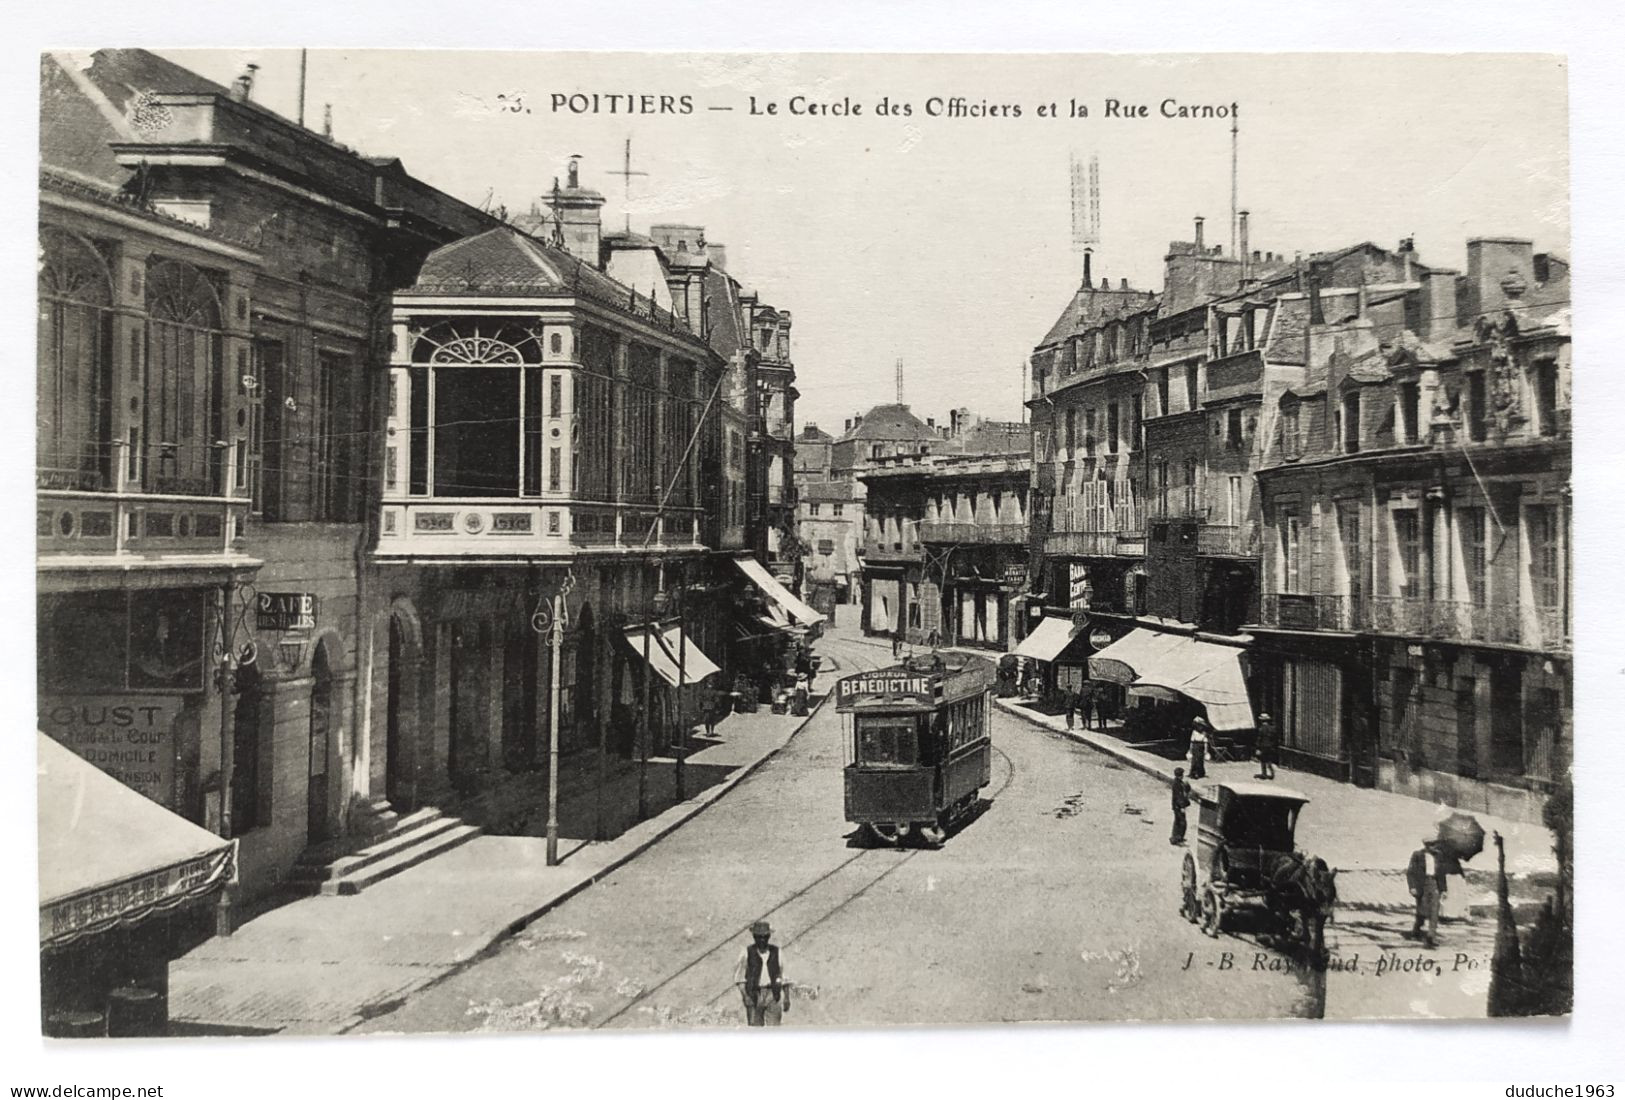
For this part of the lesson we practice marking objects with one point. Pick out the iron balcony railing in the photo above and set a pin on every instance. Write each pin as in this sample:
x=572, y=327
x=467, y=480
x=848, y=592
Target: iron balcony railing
x=1419, y=617
x=974, y=532
x=1227, y=540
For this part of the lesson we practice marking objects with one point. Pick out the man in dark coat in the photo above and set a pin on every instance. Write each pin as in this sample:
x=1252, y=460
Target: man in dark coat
x=759, y=974
x=1426, y=878
x=1069, y=699
x=1181, y=800
x=1269, y=746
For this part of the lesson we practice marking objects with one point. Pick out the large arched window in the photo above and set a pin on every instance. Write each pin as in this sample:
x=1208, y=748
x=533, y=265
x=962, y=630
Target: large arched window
x=477, y=387
x=184, y=405
x=74, y=384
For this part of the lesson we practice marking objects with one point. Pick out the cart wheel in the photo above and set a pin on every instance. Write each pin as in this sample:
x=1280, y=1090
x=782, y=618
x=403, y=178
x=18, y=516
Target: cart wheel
x=888, y=834
x=1297, y=931
x=1188, y=906
x=1212, y=912
x=933, y=835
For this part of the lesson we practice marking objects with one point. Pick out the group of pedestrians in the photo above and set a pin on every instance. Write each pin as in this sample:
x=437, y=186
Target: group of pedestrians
x=1082, y=702
x=1267, y=748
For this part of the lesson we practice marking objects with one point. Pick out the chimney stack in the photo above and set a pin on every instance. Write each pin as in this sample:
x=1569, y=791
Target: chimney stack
x=1105, y=283
x=1199, y=248
x=1087, y=255
x=1123, y=284
x=1317, y=315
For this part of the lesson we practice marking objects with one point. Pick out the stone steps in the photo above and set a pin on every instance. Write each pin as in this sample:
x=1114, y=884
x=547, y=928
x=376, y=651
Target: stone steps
x=407, y=842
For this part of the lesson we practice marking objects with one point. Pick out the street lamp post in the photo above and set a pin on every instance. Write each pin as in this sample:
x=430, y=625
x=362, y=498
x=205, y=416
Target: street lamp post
x=552, y=621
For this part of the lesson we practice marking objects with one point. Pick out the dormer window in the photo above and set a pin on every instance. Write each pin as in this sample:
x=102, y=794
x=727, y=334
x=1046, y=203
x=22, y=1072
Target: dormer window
x=1351, y=422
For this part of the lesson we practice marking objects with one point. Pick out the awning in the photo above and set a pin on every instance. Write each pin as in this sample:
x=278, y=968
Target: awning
x=1134, y=653
x=665, y=647
x=1046, y=642
x=799, y=613
x=111, y=857
x=1208, y=673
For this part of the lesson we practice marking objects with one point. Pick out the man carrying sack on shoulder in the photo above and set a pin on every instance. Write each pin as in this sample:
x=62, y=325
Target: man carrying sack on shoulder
x=759, y=974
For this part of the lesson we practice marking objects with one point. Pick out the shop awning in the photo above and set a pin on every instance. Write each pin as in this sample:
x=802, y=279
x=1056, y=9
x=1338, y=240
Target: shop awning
x=1134, y=653
x=111, y=857
x=1047, y=640
x=1208, y=673
x=800, y=614
x=665, y=646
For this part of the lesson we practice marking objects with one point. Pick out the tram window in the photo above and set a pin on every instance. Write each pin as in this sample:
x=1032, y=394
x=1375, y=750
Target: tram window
x=886, y=742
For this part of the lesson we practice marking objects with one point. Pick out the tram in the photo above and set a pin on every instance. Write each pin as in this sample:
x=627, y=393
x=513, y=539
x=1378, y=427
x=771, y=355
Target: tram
x=918, y=744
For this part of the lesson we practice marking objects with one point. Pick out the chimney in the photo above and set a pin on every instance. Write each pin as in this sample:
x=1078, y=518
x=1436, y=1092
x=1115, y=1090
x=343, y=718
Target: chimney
x=718, y=254
x=1123, y=285
x=578, y=209
x=1242, y=229
x=1317, y=315
x=1438, y=305
x=242, y=89
x=1198, y=234
x=1087, y=254
x=1105, y=283
x=848, y=425
x=930, y=422
x=1495, y=264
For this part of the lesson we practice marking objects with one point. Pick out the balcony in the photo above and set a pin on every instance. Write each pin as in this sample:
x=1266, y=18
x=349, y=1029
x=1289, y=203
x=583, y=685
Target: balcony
x=154, y=503
x=876, y=551
x=1181, y=506
x=512, y=527
x=1406, y=616
x=1095, y=544
x=1217, y=540
x=981, y=533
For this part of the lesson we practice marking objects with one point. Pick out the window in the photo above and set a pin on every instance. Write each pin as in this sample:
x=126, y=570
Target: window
x=1291, y=553
x=1162, y=393
x=1089, y=432
x=1545, y=380
x=1545, y=555
x=1474, y=553
x=1291, y=442
x=555, y=395
x=473, y=455
x=837, y=509
x=886, y=742
x=1190, y=386
x=183, y=403
x=75, y=368
x=1162, y=484
x=1351, y=422
x=1477, y=424
x=1111, y=428
x=1410, y=412
x=1348, y=531
x=1192, y=486
x=1232, y=429
x=812, y=509
x=1234, y=502
x=1136, y=409
x=1408, y=554
x=1071, y=433
x=826, y=547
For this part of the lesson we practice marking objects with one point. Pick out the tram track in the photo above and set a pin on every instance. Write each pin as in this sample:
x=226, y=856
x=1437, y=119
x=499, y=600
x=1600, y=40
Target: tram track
x=789, y=903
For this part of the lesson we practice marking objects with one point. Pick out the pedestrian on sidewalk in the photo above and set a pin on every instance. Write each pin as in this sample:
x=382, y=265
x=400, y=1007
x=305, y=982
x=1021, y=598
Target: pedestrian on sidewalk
x=1269, y=746
x=897, y=645
x=759, y=974
x=1198, y=747
x=1069, y=699
x=799, y=706
x=1425, y=877
x=1182, y=799
x=1086, y=704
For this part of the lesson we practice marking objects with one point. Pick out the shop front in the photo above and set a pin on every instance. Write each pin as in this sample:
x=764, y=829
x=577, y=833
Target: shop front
x=125, y=886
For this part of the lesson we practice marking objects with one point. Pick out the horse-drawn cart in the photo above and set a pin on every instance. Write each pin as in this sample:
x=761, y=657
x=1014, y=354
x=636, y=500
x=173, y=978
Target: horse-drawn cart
x=1245, y=849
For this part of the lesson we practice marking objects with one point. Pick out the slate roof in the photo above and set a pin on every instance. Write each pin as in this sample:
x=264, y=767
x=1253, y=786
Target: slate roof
x=811, y=433
x=1090, y=306
x=726, y=335
x=891, y=422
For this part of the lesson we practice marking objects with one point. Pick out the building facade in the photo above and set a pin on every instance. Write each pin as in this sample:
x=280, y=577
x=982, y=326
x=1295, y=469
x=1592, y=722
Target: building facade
x=213, y=303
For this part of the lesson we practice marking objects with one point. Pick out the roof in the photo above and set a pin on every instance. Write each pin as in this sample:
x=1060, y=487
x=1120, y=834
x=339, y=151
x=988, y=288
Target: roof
x=1090, y=306
x=891, y=422
x=504, y=261
x=726, y=334
x=811, y=433
x=839, y=491
x=997, y=437
x=1251, y=789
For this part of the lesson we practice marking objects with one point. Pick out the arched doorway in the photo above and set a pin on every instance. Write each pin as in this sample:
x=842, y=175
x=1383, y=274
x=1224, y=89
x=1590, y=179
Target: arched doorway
x=318, y=818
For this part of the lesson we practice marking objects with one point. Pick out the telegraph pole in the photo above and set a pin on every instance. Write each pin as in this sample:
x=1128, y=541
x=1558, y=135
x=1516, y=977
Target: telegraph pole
x=552, y=621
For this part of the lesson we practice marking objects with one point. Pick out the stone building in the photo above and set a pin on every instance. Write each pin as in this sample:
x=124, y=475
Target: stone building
x=214, y=289
x=1416, y=626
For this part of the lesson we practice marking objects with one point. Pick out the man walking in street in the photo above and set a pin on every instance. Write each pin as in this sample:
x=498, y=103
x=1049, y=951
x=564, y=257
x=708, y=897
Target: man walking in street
x=1198, y=747
x=1425, y=877
x=759, y=974
x=1182, y=799
x=1069, y=699
x=1269, y=746
x=1086, y=704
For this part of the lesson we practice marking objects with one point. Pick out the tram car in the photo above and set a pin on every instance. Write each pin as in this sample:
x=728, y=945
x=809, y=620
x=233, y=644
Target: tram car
x=918, y=745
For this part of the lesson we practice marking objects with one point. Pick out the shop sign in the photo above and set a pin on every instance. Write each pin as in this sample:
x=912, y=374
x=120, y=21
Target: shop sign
x=1015, y=576
x=1078, y=576
x=285, y=611
x=130, y=737
x=137, y=897
x=880, y=685
x=1100, y=639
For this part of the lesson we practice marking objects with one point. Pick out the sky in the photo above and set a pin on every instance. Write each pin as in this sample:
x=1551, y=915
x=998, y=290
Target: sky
x=946, y=241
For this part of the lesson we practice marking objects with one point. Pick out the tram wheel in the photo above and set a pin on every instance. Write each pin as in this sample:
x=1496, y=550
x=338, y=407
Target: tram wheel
x=933, y=835
x=887, y=833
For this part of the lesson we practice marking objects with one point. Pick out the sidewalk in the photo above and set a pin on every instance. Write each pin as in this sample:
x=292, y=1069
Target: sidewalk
x=1368, y=837
x=322, y=965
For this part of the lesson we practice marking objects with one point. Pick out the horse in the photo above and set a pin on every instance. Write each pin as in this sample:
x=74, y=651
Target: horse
x=1302, y=895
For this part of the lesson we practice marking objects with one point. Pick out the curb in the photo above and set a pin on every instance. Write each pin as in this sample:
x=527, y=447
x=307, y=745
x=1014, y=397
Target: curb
x=692, y=808
x=1120, y=755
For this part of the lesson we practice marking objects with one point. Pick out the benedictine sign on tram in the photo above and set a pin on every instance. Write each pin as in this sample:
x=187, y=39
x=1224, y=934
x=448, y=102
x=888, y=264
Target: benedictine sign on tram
x=899, y=687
